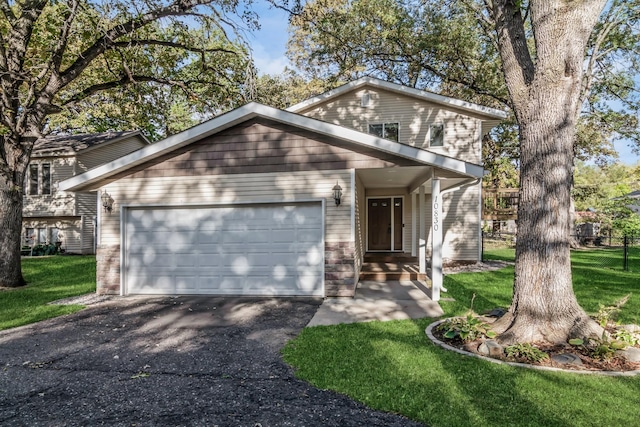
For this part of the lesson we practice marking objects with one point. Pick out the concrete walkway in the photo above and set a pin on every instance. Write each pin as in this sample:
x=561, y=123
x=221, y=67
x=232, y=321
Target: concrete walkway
x=379, y=301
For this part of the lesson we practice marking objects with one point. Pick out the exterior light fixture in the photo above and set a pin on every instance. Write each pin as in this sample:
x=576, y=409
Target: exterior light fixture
x=107, y=201
x=337, y=193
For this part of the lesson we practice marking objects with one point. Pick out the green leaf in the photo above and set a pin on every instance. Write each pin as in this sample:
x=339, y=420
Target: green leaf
x=576, y=341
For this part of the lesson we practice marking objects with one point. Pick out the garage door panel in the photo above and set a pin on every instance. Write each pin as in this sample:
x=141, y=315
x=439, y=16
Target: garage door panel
x=247, y=250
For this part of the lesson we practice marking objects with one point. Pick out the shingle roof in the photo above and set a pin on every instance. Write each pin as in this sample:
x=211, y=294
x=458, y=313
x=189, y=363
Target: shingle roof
x=71, y=144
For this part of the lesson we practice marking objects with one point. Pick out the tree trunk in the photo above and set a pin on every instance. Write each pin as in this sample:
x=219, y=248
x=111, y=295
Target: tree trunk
x=545, y=92
x=10, y=237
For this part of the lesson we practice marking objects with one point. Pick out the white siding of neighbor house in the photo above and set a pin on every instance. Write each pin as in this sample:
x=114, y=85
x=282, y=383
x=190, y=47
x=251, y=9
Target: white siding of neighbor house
x=462, y=131
x=70, y=231
x=58, y=203
x=101, y=154
x=233, y=188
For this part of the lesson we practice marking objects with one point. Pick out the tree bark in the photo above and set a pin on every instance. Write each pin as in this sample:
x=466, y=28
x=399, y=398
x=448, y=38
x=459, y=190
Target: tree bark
x=11, y=230
x=545, y=90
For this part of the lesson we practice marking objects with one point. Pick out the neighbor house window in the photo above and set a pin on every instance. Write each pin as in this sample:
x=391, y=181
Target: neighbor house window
x=33, y=179
x=39, y=179
x=55, y=234
x=46, y=178
x=436, y=135
x=385, y=130
x=29, y=236
x=42, y=236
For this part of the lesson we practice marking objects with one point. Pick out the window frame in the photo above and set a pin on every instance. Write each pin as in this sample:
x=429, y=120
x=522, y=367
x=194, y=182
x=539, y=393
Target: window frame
x=431, y=135
x=384, y=130
x=38, y=179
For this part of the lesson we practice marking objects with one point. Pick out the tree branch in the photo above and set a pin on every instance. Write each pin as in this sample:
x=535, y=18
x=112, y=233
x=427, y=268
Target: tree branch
x=151, y=42
x=516, y=59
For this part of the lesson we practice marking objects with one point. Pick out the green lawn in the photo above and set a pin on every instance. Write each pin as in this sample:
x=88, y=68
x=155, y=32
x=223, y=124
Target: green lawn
x=392, y=366
x=49, y=279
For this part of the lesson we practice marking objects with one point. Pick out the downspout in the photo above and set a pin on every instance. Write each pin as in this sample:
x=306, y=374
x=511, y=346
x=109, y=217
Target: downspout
x=464, y=184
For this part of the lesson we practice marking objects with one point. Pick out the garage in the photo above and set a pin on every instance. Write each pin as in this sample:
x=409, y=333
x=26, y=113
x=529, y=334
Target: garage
x=248, y=250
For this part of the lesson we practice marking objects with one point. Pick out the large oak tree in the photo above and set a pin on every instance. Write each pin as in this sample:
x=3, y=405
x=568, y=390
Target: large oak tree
x=554, y=63
x=57, y=54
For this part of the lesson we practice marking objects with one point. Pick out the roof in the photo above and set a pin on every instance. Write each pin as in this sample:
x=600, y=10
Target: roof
x=92, y=178
x=488, y=113
x=73, y=144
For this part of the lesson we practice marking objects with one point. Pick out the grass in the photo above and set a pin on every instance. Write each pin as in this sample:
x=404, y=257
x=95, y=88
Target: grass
x=48, y=279
x=392, y=366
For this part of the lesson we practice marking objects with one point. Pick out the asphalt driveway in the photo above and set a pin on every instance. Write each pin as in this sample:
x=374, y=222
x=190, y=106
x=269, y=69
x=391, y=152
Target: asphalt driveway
x=170, y=362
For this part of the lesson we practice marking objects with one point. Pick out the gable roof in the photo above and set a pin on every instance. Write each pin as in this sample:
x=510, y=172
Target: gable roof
x=73, y=144
x=92, y=178
x=487, y=112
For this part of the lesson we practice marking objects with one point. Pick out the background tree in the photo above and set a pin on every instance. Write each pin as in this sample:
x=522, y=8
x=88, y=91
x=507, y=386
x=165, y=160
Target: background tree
x=56, y=55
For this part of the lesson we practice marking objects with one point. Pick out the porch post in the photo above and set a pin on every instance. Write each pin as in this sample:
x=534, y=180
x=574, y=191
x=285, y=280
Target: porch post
x=422, y=241
x=414, y=224
x=436, y=240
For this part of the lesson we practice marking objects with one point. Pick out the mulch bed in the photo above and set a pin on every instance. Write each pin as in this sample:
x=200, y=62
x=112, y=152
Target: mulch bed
x=616, y=363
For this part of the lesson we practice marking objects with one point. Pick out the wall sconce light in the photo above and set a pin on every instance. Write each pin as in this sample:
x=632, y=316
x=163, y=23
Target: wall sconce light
x=107, y=201
x=337, y=193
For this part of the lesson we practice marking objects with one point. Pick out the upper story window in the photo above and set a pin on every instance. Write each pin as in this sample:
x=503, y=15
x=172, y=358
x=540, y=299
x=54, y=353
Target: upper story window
x=385, y=130
x=39, y=179
x=436, y=135
x=365, y=100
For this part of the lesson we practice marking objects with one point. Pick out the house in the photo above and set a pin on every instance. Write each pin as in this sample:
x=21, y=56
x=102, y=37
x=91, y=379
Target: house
x=262, y=201
x=52, y=216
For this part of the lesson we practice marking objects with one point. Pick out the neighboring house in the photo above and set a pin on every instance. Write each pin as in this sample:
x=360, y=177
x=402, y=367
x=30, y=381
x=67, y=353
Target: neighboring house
x=635, y=205
x=52, y=216
x=243, y=204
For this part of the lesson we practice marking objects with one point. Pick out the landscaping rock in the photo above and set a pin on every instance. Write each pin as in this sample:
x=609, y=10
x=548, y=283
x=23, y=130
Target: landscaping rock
x=567, y=359
x=491, y=348
x=496, y=312
x=632, y=354
x=634, y=329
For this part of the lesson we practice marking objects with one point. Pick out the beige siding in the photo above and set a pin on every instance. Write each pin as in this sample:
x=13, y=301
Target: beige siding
x=58, y=203
x=461, y=232
x=413, y=115
x=105, y=153
x=70, y=231
x=235, y=188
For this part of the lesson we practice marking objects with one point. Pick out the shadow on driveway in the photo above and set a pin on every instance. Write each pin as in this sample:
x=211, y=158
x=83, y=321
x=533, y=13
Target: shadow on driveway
x=188, y=361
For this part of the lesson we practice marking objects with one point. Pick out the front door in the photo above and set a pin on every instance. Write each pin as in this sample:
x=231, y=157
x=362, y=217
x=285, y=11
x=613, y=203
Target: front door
x=385, y=224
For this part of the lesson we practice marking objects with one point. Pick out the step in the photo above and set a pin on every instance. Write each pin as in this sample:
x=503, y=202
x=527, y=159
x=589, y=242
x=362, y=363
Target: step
x=387, y=271
x=389, y=257
x=386, y=276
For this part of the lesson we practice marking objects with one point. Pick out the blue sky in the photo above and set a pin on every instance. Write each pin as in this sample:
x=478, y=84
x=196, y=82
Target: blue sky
x=269, y=45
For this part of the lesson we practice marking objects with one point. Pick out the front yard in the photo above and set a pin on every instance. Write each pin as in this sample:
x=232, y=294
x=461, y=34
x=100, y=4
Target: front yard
x=392, y=366
x=49, y=279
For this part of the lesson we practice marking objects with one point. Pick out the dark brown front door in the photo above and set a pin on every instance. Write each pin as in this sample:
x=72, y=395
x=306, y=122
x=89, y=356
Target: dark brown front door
x=385, y=227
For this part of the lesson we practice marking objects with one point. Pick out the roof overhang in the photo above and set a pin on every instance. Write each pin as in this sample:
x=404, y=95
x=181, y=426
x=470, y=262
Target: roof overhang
x=486, y=113
x=92, y=179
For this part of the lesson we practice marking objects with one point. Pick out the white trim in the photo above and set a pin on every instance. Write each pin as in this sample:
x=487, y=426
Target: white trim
x=405, y=90
x=127, y=207
x=414, y=223
x=250, y=111
x=353, y=205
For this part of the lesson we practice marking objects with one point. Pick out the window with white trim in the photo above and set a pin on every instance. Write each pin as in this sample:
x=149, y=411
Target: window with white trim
x=385, y=130
x=436, y=135
x=39, y=179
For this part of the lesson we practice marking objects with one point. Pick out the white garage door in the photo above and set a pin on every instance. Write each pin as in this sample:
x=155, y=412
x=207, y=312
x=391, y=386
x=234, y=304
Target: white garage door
x=231, y=250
